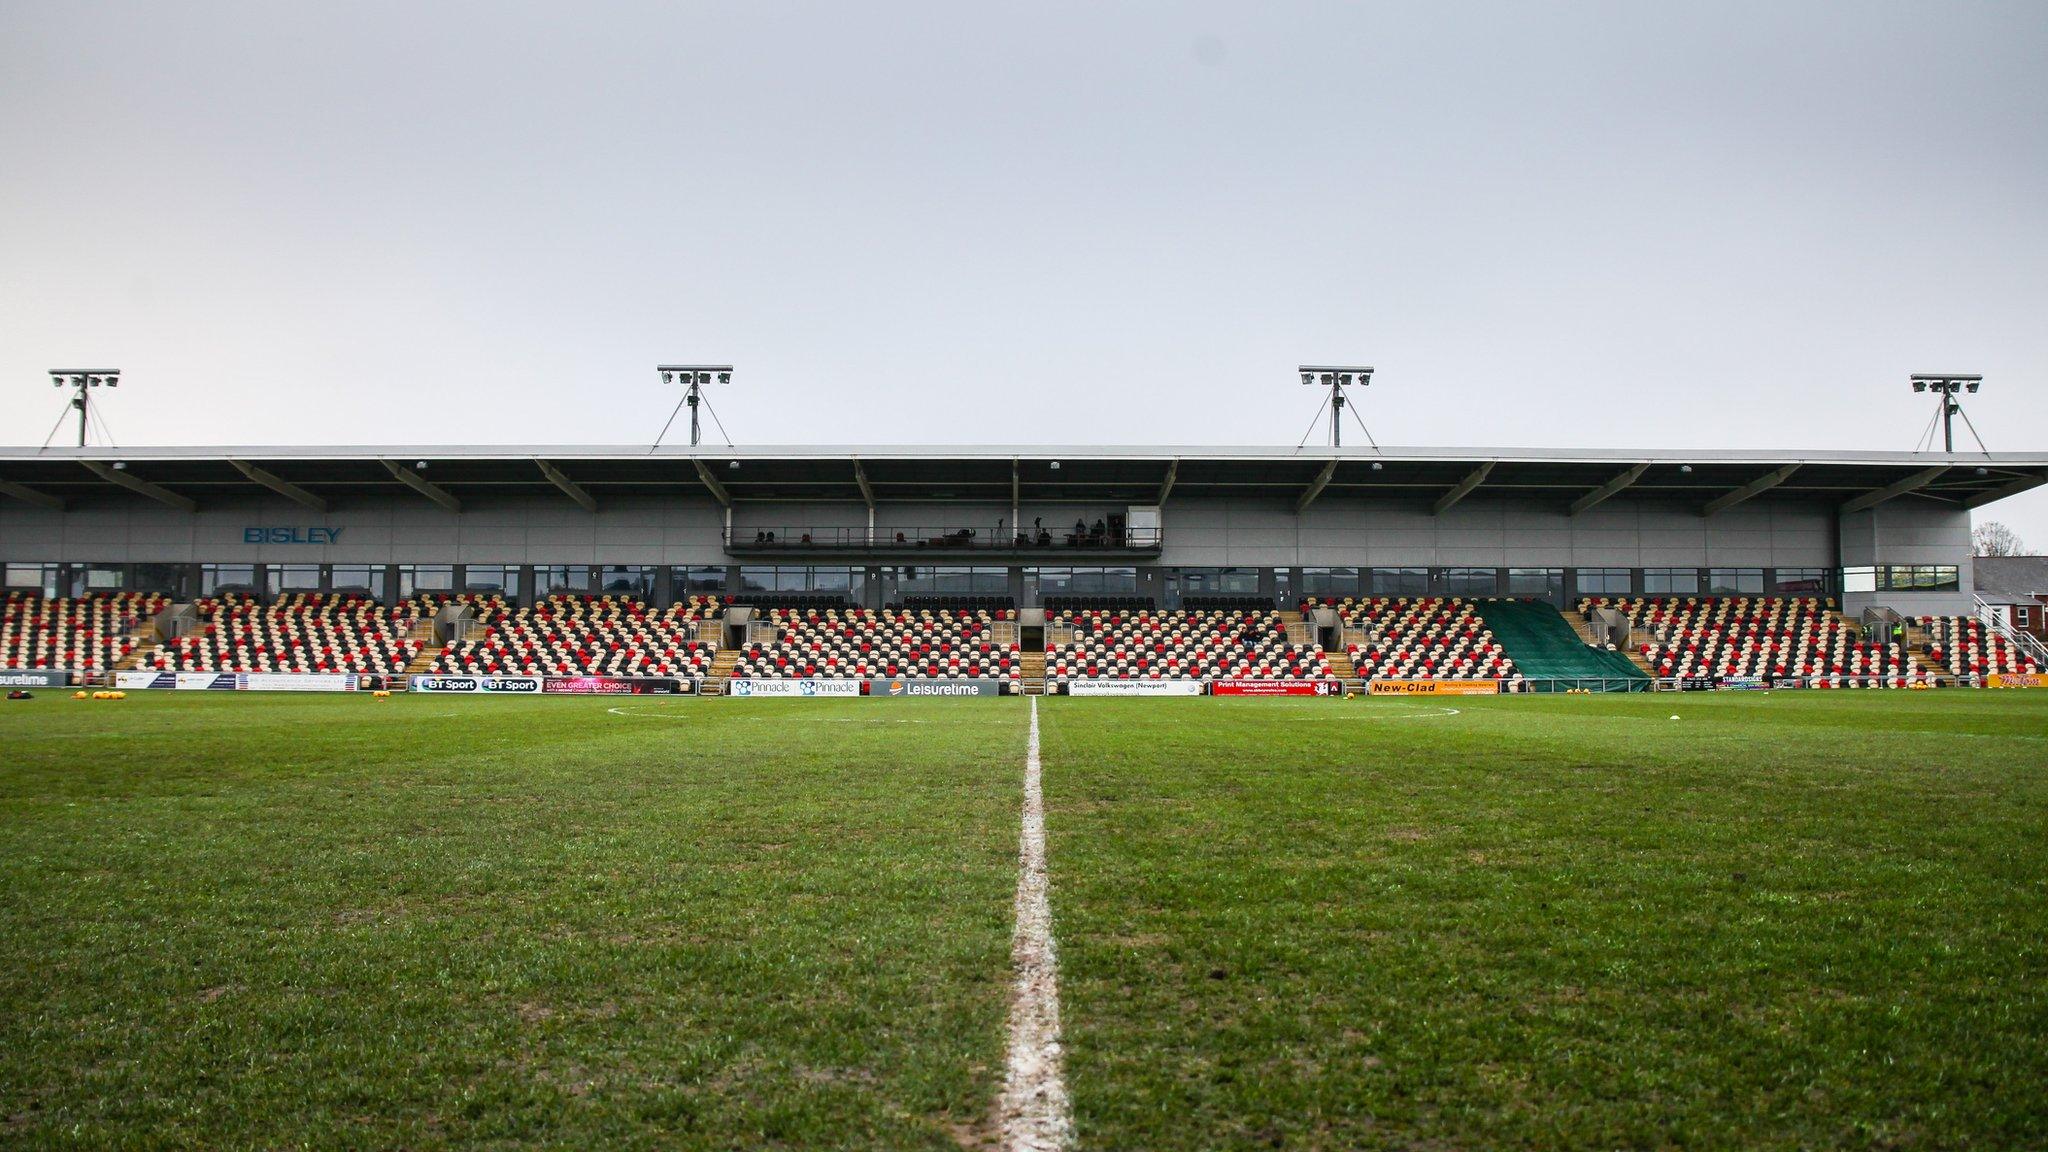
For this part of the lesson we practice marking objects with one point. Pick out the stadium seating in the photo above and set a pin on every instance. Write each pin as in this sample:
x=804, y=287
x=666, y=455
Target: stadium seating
x=584, y=636
x=86, y=634
x=1421, y=638
x=301, y=632
x=1964, y=646
x=858, y=643
x=1716, y=636
x=1156, y=644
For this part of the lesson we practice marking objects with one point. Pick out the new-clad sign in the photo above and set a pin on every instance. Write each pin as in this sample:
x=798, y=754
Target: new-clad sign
x=1276, y=688
x=794, y=687
x=1435, y=688
x=906, y=687
x=495, y=684
x=1134, y=687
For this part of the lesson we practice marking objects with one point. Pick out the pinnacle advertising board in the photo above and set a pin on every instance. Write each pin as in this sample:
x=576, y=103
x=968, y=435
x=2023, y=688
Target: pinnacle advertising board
x=798, y=688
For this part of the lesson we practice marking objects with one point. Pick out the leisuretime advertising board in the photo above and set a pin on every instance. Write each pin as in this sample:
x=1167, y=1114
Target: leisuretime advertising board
x=1435, y=688
x=1276, y=688
x=501, y=685
x=1134, y=687
x=34, y=678
x=903, y=687
x=794, y=687
x=617, y=686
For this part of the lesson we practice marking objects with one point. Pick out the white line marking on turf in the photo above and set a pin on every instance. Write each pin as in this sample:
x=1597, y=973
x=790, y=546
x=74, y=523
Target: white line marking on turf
x=1034, y=1106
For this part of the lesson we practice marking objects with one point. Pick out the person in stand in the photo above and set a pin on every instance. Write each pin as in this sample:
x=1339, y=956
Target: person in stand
x=1101, y=533
x=1080, y=531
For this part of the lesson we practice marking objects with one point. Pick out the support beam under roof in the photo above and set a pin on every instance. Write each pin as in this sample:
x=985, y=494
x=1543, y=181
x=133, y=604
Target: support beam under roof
x=1913, y=483
x=30, y=496
x=1473, y=480
x=718, y=491
x=281, y=486
x=2023, y=484
x=569, y=487
x=1601, y=494
x=1173, y=473
x=867, y=492
x=1756, y=487
x=1315, y=488
x=138, y=485
x=419, y=484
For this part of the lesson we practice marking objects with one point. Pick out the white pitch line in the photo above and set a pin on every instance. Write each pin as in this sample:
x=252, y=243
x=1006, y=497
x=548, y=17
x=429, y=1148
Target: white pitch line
x=1036, y=1115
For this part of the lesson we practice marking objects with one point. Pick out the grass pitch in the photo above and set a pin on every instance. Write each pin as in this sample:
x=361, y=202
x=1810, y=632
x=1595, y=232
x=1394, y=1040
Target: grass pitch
x=1793, y=920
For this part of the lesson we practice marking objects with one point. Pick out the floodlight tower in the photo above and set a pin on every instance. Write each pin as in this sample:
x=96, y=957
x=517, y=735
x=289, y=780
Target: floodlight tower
x=694, y=377
x=85, y=380
x=1336, y=378
x=1945, y=386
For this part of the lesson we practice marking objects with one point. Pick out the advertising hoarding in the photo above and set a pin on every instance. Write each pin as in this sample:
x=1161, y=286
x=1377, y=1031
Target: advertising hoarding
x=905, y=687
x=499, y=685
x=1434, y=688
x=617, y=686
x=1276, y=688
x=794, y=687
x=34, y=677
x=1134, y=687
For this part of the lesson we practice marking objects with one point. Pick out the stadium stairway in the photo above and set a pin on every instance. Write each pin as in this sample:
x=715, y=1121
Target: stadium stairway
x=1584, y=628
x=1031, y=672
x=146, y=643
x=1544, y=646
x=1344, y=670
x=722, y=662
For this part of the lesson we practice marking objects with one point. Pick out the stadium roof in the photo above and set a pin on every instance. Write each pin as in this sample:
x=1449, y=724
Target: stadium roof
x=1577, y=479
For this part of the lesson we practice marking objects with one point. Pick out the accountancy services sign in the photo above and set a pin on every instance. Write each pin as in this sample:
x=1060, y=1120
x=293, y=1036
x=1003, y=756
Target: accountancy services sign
x=905, y=688
x=497, y=685
x=1087, y=687
x=1434, y=688
x=237, y=681
x=797, y=688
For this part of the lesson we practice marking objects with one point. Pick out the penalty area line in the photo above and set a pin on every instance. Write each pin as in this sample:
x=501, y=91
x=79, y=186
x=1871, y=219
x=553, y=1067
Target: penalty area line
x=1035, y=1112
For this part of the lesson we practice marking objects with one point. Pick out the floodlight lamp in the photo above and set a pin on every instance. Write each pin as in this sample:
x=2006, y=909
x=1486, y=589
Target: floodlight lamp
x=420, y=464
x=668, y=377
x=1685, y=468
x=1983, y=471
x=1055, y=465
x=1327, y=380
x=1376, y=465
x=1919, y=385
x=703, y=377
x=1971, y=385
x=120, y=465
x=1308, y=378
x=725, y=377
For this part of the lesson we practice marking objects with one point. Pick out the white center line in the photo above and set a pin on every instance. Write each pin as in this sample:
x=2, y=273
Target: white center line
x=1036, y=1115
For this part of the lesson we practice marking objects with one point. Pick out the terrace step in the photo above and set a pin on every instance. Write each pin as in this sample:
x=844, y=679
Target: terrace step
x=146, y=642
x=721, y=670
x=1031, y=673
x=423, y=660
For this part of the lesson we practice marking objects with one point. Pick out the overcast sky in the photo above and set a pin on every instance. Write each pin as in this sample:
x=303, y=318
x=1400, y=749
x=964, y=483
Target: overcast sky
x=1617, y=226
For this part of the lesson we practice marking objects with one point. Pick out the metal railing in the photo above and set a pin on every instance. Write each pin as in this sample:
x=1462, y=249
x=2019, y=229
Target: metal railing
x=1997, y=622
x=955, y=536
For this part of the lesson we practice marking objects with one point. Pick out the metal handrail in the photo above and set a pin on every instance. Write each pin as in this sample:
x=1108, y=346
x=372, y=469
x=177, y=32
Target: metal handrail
x=2024, y=641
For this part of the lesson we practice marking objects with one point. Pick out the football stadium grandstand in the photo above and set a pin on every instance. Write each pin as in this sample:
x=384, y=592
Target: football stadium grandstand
x=1029, y=569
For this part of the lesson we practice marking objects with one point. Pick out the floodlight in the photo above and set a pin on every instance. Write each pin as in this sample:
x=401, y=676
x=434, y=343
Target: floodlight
x=1055, y=465
x=1308, y=378
x=692, y=377
x=731, y=464
x=1971, y=385
x=1376, y=465
x=1685, y=468
x=725, y=377
x=1919, y=385
x=120, y=465
x=420, y=465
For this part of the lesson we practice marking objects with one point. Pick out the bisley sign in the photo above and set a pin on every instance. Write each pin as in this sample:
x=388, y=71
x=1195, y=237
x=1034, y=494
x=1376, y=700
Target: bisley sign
x=288, y=534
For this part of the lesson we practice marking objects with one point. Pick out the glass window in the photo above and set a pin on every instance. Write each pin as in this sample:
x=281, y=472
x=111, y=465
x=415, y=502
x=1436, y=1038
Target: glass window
x=1217, y=581
x=1671, y=581
x=1471, y=582
x=944, y=581
x=626, y=580
x=1338, y=582
x=548, y=580
x=490, y=579
x=414, y=579
x=1604, y=582
x=169, y=579
x=688, y=580
x=1859, y=579
x=1800, y=581
x=1545, y=583
x=1735, y=581
x=97, y=578
x=1917, y=578
x=41, y=577
x=217, y=578
x=358, y=578
x=293, y=578
x=1400, y=581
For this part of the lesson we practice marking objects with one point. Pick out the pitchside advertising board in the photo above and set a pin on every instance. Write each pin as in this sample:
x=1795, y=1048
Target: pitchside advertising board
x=903, y=688
x=499, y=685
x=1434, y=688
x=794, y=687
x=34, y=678
x=1276, y=688
x=237, y=681
x=1134, y=687
x=556, y=685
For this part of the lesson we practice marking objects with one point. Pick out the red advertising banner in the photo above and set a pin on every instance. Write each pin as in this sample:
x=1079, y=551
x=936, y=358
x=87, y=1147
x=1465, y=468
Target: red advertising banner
x=617, y=686
x=1276, y=688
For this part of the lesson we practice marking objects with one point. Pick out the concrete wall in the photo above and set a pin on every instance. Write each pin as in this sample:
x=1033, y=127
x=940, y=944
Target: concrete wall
x=1909, y=531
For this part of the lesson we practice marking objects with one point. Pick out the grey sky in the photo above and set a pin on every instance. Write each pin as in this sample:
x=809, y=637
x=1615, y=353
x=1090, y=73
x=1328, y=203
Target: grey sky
x=1623, y=225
